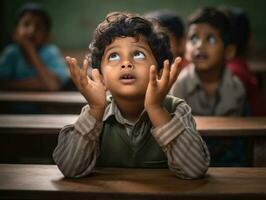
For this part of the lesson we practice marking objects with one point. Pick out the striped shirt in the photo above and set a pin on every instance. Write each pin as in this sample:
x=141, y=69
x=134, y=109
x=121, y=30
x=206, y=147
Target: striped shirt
x=187, y=154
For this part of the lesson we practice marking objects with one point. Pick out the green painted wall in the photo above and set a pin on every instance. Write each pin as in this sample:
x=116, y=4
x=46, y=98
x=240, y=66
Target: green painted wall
x=74, y=21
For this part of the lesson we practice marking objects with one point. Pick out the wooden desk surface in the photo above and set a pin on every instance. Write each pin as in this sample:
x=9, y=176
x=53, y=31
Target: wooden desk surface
x=231, y=126
x=34, y=124
x=46, y=182
x=207, y=126
x=43, y=97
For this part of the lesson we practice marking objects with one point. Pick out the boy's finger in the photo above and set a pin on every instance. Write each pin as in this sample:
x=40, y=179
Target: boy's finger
x=71, y=67
x=166, y=71
x=153, y=78
x=74, y=72
x=69, y=63
x=175, y=70
x=83, y=73
x=85, y=69
x=96, y=75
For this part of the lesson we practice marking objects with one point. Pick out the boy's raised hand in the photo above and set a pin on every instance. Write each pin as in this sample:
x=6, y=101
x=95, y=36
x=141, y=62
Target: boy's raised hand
x=158, y=88
x=93, y=88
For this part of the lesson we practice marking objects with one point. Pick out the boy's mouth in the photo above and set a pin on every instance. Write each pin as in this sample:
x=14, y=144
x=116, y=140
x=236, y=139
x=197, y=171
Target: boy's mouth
x=127, y=78
x=201, y=56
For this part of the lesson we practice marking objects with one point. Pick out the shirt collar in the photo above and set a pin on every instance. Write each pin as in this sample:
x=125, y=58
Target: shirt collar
x=113, y=110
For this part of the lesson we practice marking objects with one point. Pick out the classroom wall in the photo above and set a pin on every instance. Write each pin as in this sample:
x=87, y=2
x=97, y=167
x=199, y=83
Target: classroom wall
x=74, y=21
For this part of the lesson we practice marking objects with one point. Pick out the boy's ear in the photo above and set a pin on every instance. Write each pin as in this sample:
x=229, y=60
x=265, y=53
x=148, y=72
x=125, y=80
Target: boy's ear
x=230, y=51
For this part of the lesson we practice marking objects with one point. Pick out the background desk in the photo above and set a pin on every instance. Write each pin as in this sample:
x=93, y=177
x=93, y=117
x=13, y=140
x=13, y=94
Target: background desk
x=46, y=182
x=41, y=102
x=37, y=134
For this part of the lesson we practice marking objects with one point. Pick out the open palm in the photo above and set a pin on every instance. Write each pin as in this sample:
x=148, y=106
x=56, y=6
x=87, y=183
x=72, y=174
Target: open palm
x=159, y=87
x=93, y=88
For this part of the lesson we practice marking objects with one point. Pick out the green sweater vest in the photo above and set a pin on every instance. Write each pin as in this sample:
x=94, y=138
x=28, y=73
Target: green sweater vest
x=116, y=149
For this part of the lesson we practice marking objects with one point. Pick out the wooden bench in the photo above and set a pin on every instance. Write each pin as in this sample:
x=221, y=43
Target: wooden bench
x=47, y=182
x=41, y=102
x=16, y=130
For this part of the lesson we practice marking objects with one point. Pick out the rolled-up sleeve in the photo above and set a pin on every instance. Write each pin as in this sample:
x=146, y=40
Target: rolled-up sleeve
x=78, y=146
x=187, y=154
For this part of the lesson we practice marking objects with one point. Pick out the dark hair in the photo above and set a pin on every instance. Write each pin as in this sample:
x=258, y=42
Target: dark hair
x=35, y=9
x=119, y=24
x=168, y=19
x=214, y=18
x=241, y=30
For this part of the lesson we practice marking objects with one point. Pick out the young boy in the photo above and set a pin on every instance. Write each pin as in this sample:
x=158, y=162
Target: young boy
x=138, y=126
x=30, y=63
x=206, y=84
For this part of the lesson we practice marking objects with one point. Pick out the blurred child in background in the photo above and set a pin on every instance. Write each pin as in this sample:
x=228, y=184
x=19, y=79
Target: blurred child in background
x=242, y=36
x=207, y=85
x=31, y=63
x=174, y=27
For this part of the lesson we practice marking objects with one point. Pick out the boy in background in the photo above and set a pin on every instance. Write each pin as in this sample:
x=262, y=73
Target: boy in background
x=31, y=63
x=207, y=85
x=138, y=125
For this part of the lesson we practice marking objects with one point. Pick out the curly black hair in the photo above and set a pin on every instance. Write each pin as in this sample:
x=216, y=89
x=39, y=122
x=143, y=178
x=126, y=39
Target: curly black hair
x=214, y=18
x=122, y=24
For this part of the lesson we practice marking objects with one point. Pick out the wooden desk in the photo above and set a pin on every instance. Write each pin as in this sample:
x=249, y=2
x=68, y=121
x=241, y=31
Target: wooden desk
x=46, y=182
x=207, y=126
x=231, y=126
x=43, y=102
x=45, y=129
x=34, y=124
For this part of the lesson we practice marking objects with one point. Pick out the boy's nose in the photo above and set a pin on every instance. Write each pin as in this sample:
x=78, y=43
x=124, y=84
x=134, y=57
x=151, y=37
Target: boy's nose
x=31, y=29
x=127, y=64
x=199, y=43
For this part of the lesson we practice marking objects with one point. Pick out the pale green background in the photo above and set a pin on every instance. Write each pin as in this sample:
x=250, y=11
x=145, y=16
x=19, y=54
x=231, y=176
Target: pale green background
x=74, y=21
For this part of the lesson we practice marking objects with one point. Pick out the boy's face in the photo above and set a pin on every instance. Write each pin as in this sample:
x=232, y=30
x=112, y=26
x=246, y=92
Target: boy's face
x=125, y=66
x=31, y=27
x=205, y=47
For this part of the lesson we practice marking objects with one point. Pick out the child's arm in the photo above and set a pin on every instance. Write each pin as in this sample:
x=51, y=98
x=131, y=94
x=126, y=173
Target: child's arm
x=158, y=89
x=78, y=146
x=187, y=154
x=45, y=80
x=77, y=149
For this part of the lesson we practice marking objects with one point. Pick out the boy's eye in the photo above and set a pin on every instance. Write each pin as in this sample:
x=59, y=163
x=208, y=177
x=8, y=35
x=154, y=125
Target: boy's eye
x=193, y=39
x=211, y=39
x=113, y=57
x=139, y=55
